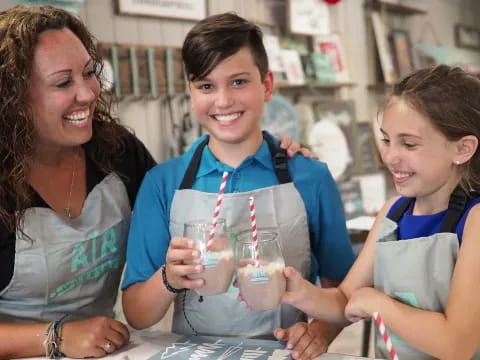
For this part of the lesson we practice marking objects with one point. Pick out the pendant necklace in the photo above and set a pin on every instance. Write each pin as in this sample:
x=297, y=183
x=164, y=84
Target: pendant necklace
x=68, y=209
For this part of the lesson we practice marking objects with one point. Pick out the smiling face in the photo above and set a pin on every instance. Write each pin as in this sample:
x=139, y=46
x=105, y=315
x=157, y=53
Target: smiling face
x=63, y=90
x=229, y=101
x=419, y=156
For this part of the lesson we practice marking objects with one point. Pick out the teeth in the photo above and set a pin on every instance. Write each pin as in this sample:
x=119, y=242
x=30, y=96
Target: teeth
x=77, y=116
x=401, y=175
x=226, y=118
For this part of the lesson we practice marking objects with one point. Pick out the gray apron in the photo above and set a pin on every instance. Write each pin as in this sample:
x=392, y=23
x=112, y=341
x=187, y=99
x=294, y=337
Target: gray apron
x=417, y=271
x=280, y=207
x=72, y=266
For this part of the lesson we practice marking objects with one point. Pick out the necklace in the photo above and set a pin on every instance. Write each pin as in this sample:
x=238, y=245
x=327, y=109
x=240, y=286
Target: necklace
x=68, y=209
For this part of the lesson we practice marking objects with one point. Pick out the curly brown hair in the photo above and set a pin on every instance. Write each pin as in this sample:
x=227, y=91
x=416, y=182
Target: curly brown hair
x=450, y=98
x=20, y=27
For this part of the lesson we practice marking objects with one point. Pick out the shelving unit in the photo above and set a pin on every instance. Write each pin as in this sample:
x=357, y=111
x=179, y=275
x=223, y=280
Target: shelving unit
x=314, y=85
x=398, y=8
x=381, y=62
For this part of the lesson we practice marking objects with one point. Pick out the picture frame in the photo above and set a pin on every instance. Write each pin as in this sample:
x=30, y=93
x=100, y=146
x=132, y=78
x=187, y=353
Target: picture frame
x=329, y=59
x=177, y=9
x=401, y=52
x=383, y=48
x=292, y=66
x=308, y=17
x=467, y=37
x=367, y=155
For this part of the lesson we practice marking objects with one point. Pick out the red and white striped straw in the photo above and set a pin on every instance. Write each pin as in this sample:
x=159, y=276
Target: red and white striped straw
x=253, y=221
x=385, y=337
x=216, y=212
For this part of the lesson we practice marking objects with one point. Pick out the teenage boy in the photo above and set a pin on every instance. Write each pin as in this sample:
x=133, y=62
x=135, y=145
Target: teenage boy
x=229, y=82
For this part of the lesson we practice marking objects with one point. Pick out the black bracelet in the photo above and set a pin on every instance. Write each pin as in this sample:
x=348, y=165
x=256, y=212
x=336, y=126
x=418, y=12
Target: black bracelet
x=167, y=284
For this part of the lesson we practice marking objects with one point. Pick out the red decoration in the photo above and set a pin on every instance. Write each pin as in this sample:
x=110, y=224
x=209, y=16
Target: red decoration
x=331, y=2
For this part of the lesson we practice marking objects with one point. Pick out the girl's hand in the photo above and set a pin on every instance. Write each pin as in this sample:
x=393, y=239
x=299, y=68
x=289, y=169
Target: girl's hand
x=296, y=286
x=363, y=303
x=93, y=337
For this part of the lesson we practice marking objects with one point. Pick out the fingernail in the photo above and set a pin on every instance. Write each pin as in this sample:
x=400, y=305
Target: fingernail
x=195, y=253
x=190, y=243
x=198, y=268
x=289, y=346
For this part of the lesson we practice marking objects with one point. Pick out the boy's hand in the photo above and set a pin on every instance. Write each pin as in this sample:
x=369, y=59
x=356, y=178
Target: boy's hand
x=183, y=259
x=303, y=340
x=293, y=147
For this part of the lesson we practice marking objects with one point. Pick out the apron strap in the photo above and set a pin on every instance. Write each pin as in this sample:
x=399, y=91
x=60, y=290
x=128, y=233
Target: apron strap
x=456, y=207
x=398, y=213
x=280, y=161
x=192, y=169
x=279, y=157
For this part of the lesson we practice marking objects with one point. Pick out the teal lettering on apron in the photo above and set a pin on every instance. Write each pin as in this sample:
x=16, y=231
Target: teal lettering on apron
x=417, y=271
x=42, y=288
x=223, y=315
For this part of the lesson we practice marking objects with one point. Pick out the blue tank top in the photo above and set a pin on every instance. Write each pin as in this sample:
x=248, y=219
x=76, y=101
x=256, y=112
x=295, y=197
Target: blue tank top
x=414, y=226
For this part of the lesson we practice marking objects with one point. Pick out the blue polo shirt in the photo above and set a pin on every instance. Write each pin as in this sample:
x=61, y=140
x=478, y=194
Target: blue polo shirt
x=149, y=238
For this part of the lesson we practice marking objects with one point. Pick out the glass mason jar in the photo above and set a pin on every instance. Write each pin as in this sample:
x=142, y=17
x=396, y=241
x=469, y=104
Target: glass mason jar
x=216, y=257
x=260, y=277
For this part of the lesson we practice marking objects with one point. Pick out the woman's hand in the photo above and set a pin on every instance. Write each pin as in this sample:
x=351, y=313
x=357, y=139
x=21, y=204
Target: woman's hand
x=93, y=337
x=293, y=147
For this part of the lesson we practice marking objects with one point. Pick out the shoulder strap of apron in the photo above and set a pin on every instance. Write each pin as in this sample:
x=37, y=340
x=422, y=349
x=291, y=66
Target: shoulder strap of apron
x=192, y=169
x=280, y=161
x=400, y=210
x=456, y=207
x=279, y=157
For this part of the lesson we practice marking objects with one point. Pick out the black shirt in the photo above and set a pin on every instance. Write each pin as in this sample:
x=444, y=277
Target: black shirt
x=133, y=167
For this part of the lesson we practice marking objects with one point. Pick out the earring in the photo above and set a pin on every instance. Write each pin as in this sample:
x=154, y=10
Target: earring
x=456, y=162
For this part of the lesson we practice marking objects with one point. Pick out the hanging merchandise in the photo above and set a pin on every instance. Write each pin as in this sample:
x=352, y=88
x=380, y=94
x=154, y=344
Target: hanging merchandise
x=69, y=5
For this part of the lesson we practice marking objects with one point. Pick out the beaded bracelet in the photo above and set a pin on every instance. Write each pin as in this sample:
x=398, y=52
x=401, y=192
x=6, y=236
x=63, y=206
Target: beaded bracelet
x=53, y=339
x=167, y=284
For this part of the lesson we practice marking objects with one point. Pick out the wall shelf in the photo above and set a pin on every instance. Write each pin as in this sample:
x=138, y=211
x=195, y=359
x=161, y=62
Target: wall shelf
x=395, y=8
x=313, y=85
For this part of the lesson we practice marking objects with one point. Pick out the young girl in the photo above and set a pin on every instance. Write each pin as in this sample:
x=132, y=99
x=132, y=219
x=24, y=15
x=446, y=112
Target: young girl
x=420, y=267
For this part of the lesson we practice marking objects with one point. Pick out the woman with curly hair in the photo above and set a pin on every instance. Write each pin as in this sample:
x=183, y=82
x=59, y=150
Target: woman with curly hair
x=69, y=173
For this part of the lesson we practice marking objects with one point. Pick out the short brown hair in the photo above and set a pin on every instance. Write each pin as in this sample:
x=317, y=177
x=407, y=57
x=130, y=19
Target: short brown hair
x=450, y=98
x=218, y=37
x=20, y=28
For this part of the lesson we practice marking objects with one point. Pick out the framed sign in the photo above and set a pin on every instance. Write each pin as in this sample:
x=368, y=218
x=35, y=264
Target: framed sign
x=401, y=52
x=467, y=36
x=308, y=17
x=178, y=9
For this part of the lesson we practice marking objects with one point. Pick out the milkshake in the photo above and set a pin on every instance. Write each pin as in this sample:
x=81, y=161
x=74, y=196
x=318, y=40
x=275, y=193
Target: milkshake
x=216, y=256
x=218, y=272
x=260, y=269
x=262, y=287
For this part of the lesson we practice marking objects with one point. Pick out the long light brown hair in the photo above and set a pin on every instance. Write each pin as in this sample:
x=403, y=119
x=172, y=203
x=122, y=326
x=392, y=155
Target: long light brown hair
x=450, y=98
x=20, y=27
